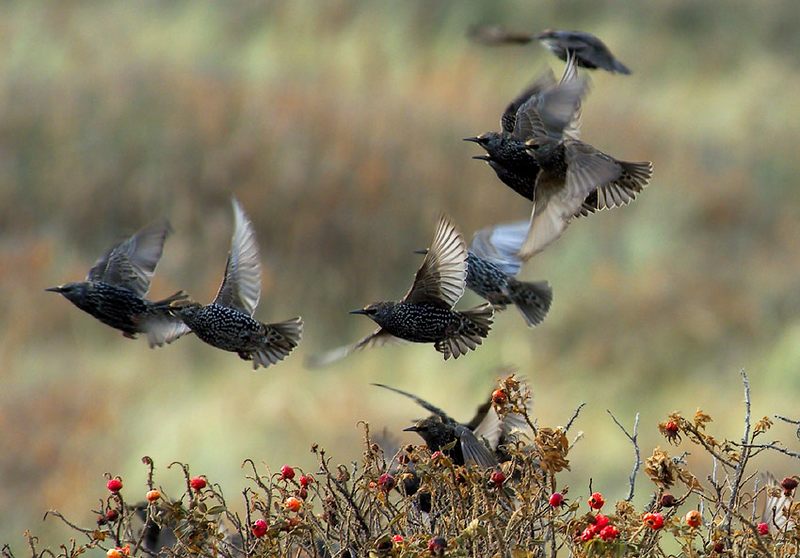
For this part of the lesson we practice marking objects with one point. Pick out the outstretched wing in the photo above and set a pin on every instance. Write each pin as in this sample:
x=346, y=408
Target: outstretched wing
x=441, y=278
x=475, y=451
x=500, y=245
x=241, y=286
x=419, y=401
x=131, y=263
x=377, y=338
x=508, y=121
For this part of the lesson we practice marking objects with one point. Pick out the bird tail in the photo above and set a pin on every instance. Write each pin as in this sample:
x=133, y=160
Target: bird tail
x=532, y=299
x=171, y=301
x=279, y=341
x=475, y=327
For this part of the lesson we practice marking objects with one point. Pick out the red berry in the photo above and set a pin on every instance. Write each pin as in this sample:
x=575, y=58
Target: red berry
x=596, y=501
x=667, y=500
x=305, y=480
x=588, y=533
x=436, y=455
x=112, y=515
x=719, y=547
x=499, y=397
x=397, y=539
x=497, y=478
x=671, y=427
x=386, y=482
x=259, y=528
x=653, y=520
x=293, y=504
x=763, y=529
x=437, y=546
x=609, y=533
x=788, y=484
x=198, y=483
x=287, y=473
x=556, y=499
x=101, y=520
x=600, y=521
x=693, y=518
x=114, y=485
x=302, y=493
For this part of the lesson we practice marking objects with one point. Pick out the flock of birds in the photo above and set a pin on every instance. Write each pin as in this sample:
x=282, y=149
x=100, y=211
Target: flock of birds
x=537, y=153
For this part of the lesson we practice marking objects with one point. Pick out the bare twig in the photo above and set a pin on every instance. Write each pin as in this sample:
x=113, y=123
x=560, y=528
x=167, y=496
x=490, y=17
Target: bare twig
x=773, y=446
x=637, y=454
x=740, y=466
x=574, y=416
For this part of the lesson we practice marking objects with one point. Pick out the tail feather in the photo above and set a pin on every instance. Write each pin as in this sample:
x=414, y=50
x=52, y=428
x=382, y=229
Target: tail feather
x=281, y=339
x=474, y=328
x=531, y=299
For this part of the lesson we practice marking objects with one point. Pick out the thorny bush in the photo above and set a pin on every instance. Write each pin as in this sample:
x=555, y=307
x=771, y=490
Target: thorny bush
x=409, y=503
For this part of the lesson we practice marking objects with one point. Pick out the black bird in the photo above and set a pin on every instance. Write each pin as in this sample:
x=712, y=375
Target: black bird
x=492, y=264
x=227, y=323
x=425, y=314
x=506, y=152
x=478, y=442
x=590, y=51
x=115, y=287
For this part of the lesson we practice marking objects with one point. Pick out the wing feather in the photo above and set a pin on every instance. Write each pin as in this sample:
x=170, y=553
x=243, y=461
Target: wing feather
x=241, y=286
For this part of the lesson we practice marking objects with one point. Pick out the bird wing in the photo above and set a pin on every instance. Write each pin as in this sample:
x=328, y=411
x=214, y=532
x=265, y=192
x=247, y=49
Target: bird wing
x=131, y=263
x=553, y=112
x=777, y=506
x=500, y=244
x=164, y=329
x=241, y=286
x=555, y=204
x=497, y=35
x=488, y=425
x=475, y=452
x=441, y=278
x=508, y=120
x=377, y=338
x=421, y=402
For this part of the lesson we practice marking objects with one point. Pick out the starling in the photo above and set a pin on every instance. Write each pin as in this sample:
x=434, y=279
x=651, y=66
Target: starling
x=227, y=323
x=574, y=178
x=492, y=263
x=505, y=150
x=779, y=508
x=115, y=287
x=590, y=52
x=478, y=442
x=425, y=314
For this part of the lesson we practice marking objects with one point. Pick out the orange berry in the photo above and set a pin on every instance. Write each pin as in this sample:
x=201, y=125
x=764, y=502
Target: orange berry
x=693, y=518
x=153, y=495
x=293, y=504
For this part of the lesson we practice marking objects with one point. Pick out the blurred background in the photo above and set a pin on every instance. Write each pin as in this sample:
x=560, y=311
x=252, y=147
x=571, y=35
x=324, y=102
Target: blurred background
x=338, y=125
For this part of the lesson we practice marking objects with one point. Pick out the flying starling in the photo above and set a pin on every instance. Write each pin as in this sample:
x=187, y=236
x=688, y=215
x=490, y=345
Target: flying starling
x=227, y=323
x=574, y=178
x=425, y=314
x=492, y=264
x=115, y=287
x=591, y=53
x=478, y=442
x=505, y=150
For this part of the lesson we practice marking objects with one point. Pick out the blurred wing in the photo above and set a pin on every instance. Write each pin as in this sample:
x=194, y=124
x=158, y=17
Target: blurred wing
x=164, y=329
x=241, y=286
x=377, y=338
x=475, y=452
x=777, y=507
x=497, y=35
x=508, y=121
x=419, y=401
x=131, y=263
x=500, y=245
x=555, y=111
x=441, y=278
x=490, y=427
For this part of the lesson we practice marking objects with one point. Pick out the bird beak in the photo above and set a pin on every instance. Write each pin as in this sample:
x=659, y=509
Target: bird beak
x=482, y=158
x=411, y=429
x=59, y=289
x=474, y=139
x=360, y=311
x=423, y=252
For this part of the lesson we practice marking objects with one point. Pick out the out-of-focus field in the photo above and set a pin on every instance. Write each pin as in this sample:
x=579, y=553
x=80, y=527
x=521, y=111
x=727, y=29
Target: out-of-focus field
x=338, y=125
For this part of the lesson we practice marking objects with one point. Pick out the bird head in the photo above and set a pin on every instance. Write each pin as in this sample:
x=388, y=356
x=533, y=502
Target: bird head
x=434, y=431
x=376, y=310
x=73, y=292
x=185, y=308
x=488, y=140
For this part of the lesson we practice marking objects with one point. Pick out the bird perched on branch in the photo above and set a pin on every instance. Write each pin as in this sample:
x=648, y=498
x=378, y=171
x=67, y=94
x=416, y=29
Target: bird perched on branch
x=426, y=314
x=227, y=323
x=479, y=442
x=492, y=264
x=115, y=287
x=591, y=53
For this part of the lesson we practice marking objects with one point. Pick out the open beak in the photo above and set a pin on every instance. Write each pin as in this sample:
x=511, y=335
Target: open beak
x=482, y=158
x=474, y=139
x=59, y=289
x=411, y=429
x=360, y=311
